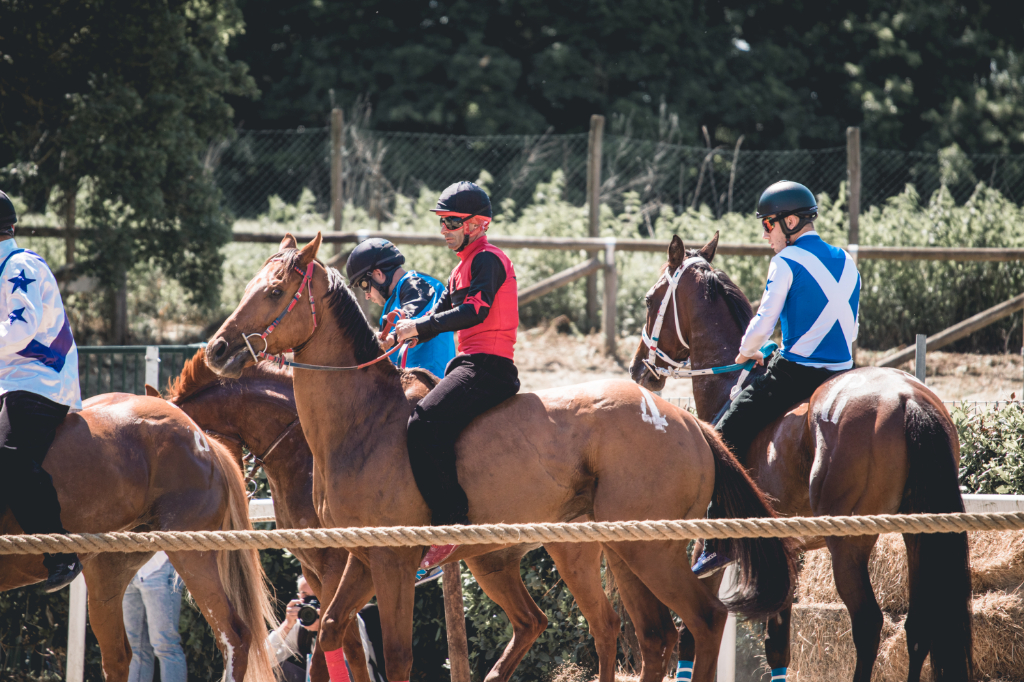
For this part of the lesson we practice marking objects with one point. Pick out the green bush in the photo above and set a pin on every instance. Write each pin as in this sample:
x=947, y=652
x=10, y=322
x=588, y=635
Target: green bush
x=991, y=449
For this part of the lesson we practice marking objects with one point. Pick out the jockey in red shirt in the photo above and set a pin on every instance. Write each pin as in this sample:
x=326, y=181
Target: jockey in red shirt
x=481, y=305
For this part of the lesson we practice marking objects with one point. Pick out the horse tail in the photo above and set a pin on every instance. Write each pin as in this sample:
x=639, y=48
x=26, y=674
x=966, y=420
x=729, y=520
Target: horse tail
x=242, y=575
x=767, y=565
x=940, y=571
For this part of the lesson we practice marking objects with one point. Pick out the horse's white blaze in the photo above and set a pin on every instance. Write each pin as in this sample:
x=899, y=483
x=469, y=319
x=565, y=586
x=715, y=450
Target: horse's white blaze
x=654, y=418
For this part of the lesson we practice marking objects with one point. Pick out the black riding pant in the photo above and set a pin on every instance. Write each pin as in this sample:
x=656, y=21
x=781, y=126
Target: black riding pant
x=472, y=385
x=28, y=424
x=768, y=397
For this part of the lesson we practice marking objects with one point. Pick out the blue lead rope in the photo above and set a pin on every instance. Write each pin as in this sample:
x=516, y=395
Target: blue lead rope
x=766, y=350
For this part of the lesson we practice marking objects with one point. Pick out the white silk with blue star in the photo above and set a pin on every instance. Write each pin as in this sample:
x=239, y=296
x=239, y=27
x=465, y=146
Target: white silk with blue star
x=37, y=349
x=814, y=288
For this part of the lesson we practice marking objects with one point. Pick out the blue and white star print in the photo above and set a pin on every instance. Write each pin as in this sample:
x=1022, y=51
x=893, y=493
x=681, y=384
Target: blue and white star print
x=20, y=282
x=37, y=350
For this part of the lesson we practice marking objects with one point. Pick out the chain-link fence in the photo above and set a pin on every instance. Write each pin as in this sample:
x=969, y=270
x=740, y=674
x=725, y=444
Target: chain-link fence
x=378, y=166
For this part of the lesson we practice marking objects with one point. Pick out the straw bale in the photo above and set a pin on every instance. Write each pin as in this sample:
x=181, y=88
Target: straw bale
x=997, y=563
x=887, y=568
x=822, y=644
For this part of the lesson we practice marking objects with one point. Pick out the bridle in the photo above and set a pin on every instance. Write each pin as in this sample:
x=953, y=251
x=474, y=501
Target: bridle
x=679, y=370
x=676, y=368
x=307, y=280
x=258, y=460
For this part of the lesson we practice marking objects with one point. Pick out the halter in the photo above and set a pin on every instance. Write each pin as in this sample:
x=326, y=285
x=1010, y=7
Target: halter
x=678, y=370
x=307, y=279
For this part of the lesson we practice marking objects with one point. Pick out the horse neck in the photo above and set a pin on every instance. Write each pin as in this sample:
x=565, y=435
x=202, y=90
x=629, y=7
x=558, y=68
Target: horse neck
x=713, y=345
x=348, y=406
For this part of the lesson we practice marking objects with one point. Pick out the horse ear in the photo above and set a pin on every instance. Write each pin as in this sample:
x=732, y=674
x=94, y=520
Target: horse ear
x=152, y=392
x=708, y=250
x=288, y=242
x=308, y=252
x=676, y=252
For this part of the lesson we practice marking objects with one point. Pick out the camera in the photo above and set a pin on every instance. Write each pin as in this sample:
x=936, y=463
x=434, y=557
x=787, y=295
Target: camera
x=309, y=612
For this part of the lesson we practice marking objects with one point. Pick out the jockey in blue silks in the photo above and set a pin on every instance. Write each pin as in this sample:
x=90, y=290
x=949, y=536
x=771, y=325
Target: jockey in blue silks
x=38, y=386
x=375, y=268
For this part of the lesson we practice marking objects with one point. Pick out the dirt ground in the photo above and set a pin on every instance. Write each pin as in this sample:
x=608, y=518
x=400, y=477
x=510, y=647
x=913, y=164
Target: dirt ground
x=548, y=357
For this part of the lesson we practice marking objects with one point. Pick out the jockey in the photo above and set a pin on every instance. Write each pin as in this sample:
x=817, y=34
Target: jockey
x=814, y=288
x=38, y=385
x=482, y=305
x=375, y=266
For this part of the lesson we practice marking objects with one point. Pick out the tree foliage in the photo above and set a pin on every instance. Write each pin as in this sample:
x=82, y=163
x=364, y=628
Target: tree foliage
x=119, y=100
x=915, y=74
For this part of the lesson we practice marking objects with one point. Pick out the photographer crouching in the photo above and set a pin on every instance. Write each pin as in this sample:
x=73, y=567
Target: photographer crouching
x=293, y=645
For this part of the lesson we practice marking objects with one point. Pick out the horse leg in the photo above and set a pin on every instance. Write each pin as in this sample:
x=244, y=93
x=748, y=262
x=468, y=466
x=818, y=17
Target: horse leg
x=199, y=572
x=393, y=569
x=579, y=565
x=338, y=621
x=651, y=620
x=917, y=633
x=776, y=641
x=498, y=576
x=664, y=568
x=107, y=576
x=850, y=569
x=351, y=641
x=687, y=645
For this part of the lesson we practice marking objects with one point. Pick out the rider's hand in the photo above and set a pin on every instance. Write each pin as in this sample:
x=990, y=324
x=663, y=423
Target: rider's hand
x=757, y=357
x=291, y=613
x=406, y=329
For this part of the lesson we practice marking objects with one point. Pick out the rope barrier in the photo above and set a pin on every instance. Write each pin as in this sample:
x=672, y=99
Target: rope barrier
x=503, y=534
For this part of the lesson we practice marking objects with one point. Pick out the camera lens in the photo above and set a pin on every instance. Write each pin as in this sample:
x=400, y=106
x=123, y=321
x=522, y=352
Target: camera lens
x=309, y=612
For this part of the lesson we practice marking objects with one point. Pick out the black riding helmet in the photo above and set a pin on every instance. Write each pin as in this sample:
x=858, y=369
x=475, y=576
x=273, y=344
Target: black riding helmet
x=464, y=197
x=370, y=255
x=8, y=216
x=787, y=198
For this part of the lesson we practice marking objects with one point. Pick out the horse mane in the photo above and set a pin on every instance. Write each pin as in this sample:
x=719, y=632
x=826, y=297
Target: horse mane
x=717, y=282
x=196, y=376
x=347, y=313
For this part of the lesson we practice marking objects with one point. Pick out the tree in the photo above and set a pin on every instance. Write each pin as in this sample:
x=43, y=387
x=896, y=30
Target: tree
x=914, y=74
x=122, y=98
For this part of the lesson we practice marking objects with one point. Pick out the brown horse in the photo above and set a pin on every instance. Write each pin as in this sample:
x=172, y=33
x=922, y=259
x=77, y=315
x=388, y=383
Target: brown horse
x=869, y=441
x=563, y=453
x=132, y=463
x=258, y=410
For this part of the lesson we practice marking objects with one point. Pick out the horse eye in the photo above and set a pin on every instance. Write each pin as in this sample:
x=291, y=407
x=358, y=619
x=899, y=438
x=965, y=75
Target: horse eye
x=647, y=300
x=276, y=293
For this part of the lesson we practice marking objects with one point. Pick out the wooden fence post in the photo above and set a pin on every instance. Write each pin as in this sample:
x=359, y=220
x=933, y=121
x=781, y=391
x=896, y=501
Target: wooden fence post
x=853, y=200
x=611, y=291
x=455, y=622
x=337, y=198
x=920, y=369
x=594, y=205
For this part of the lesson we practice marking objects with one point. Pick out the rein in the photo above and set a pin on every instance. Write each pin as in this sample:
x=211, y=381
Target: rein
x=257, y=461
x=307, y=280
x=678, y=370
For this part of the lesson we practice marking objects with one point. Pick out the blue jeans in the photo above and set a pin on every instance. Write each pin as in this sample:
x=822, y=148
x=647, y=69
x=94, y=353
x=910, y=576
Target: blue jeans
x=151, y=610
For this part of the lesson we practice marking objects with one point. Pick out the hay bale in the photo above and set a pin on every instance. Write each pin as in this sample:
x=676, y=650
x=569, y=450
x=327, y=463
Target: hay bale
x=997, y=563
x=887, y=568
x=822, y=644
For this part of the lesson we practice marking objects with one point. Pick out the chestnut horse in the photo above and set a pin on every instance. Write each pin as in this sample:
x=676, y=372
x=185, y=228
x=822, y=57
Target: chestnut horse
x=133, y=463
x=549, y=456
x=258, y=410
x=869, y=441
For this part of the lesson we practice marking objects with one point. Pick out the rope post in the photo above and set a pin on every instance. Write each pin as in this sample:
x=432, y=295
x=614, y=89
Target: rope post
x=594, y=145
x=455, y=622
x=337, y=198
x=153, y=366
x=919, y=366
x=75, y=666
x=727, y=651
x=611, y=290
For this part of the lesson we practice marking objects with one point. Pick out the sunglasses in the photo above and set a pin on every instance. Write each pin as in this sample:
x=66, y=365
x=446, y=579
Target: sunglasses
x=364, y=283
x=450, y=223
x=768, y=224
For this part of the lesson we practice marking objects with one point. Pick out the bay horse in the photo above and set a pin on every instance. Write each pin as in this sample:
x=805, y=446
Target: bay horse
x=133, y=463
x=258, y=410
x=538, y=457
x=869, y=441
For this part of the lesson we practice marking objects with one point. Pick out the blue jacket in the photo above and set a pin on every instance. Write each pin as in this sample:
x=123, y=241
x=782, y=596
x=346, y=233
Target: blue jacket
x=417, y=294
x=814, y=288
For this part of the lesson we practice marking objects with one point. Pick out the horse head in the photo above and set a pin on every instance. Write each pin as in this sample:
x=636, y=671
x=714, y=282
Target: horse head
x=261, y=323
x=671, y=337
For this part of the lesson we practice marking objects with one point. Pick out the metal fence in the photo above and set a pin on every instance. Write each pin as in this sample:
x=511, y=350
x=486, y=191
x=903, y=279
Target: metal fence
x=122, y=369
x=380, y=166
